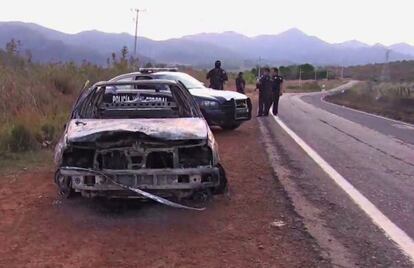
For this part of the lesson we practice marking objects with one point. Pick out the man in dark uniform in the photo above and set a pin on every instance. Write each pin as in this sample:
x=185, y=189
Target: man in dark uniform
x=265, y=86
x=277, y=89
x=240, y=83
x=217, y=76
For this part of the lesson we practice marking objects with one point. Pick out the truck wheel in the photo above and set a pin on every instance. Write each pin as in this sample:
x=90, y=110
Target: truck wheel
x=64, y=184
x=222, y=187
x=230, y=126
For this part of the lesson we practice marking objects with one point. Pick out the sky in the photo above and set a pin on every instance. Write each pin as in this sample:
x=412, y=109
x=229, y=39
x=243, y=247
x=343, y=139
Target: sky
x=369, y=21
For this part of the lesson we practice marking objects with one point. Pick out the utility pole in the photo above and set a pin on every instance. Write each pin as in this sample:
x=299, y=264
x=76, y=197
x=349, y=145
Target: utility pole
x=258, y=69
x=385, y=72
x=136, y=29
x=300, y=77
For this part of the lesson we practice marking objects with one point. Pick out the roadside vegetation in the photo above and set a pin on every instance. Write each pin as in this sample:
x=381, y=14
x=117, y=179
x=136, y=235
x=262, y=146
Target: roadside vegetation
x=35, y=99
x=298, y=78
x=393, y=100
x=304, y=86
x=388, y=89
x=398, y=72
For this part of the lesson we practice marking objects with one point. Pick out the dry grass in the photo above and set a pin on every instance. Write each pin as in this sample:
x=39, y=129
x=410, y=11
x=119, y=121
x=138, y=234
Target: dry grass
x=25, y=161
x=296, y=86
x=35, y=99
x=379, y=98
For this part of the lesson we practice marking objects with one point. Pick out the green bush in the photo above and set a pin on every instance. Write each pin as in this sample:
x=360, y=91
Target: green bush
x=48, y=131
x=63, y=83
x=311, y=86
x=250, y=78
x=21, y=139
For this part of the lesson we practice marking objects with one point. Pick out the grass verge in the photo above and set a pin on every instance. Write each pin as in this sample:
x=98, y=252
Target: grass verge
x=13, y=162
x=307, y=86
x=381, y=99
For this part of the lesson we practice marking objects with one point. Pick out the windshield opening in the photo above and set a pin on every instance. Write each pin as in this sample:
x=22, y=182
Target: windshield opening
x=189, y=81
x=136, y=101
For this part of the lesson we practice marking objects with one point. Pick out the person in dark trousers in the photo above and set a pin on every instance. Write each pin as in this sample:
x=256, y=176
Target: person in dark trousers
x=265, y=86
x=277, y=89
x=217, y=76
x=240, y=83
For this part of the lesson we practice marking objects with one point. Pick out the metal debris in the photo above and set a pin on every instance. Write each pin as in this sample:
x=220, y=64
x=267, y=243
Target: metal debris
x=277, y=224
x=136, y=190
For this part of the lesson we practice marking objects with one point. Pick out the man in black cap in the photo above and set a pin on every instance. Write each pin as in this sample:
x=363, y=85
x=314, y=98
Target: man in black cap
x=240, y=83
x=217, y=76
x=277, y=89
x=265, y=86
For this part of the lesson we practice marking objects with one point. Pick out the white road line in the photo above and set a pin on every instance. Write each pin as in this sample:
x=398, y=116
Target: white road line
x=392, y=231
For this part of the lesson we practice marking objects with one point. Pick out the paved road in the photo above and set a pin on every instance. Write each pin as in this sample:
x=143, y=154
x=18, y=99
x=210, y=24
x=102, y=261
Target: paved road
x=392, y=128
x=374, y=154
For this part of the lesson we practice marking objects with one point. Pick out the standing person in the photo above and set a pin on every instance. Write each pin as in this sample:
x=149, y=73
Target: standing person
x=265, y=86
x=240, y=83
x=217, y=76
x=277, y=89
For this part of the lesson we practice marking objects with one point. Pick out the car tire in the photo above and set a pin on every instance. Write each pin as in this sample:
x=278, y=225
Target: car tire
x=64, y=185
x=222, y=188
x=230, y=126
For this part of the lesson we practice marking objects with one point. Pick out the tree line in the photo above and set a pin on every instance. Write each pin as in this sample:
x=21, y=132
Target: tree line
x=302, y=71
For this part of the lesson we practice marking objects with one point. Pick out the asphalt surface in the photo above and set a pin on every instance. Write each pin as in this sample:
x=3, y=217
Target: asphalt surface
x=394, y=129
x=374, y=154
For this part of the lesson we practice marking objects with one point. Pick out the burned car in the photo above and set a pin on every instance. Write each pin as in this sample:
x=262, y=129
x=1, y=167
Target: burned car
x=223, y=108
x=138, y=139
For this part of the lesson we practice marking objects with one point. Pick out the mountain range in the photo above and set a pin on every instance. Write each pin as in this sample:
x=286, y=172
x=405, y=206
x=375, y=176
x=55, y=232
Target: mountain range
x=199, y=50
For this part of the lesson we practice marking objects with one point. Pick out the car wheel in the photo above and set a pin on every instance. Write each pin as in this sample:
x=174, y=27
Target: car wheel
x=222, y=187
x=64, y=184
x=230, y=126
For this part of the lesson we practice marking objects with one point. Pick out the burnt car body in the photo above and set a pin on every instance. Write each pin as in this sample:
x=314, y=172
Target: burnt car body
x=125, y=138
x=227, y=109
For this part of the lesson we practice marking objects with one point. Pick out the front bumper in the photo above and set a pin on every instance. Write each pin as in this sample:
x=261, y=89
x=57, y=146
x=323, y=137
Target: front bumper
x=232, y=111
x=145, y=179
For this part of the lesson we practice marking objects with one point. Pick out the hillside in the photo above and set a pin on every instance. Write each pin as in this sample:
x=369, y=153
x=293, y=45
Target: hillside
x=200, y=50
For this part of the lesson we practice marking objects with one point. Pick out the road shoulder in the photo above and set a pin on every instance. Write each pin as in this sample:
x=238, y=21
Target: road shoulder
x=343, y=231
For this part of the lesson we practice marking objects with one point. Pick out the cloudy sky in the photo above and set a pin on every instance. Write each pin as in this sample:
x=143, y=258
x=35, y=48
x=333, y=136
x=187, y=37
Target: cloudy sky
x=370, y=21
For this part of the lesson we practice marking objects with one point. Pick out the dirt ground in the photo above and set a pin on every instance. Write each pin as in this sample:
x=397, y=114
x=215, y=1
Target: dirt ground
x=38, y=229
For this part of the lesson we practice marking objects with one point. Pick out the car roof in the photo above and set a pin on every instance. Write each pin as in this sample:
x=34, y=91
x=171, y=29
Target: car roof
x=133, y=74
x=115, y=82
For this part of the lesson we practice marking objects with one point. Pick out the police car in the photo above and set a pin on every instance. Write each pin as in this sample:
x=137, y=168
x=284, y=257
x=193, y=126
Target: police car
x=227, y=109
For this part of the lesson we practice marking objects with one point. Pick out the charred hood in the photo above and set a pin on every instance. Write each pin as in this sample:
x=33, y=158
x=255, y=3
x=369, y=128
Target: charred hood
x=90, y=130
